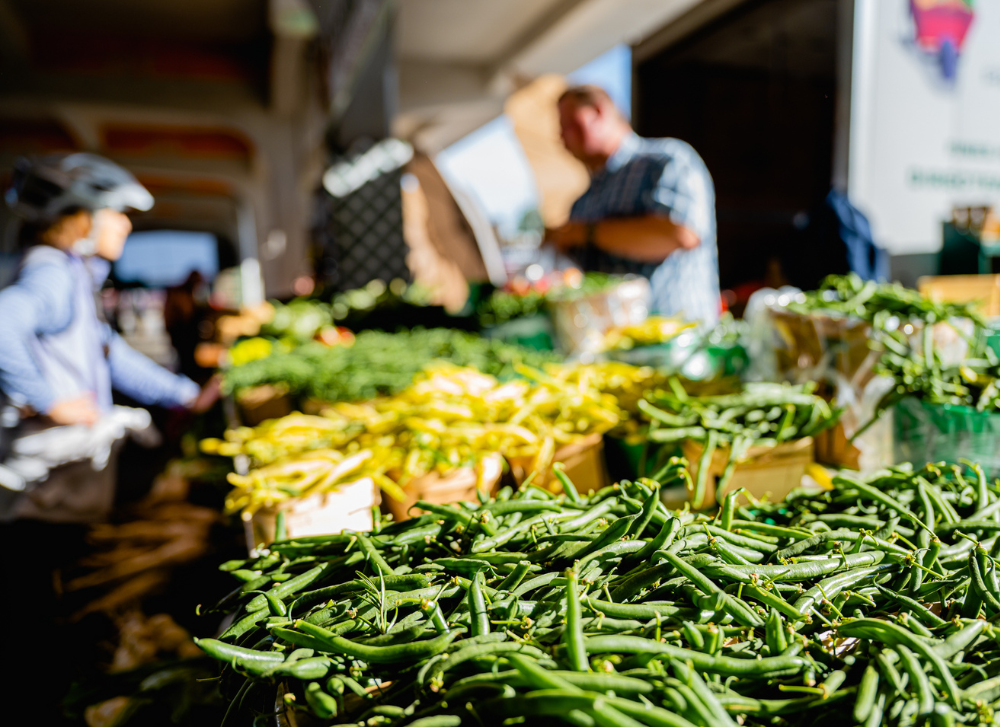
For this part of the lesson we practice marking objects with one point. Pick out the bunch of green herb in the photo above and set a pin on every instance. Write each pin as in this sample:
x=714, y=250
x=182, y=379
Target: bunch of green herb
x=849, y=295
x=379, y=363
x=503, y=306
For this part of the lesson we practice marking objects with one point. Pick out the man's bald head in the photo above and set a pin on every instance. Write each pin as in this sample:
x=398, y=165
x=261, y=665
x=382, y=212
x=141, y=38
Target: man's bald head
x=586, y=95
x=591, y=125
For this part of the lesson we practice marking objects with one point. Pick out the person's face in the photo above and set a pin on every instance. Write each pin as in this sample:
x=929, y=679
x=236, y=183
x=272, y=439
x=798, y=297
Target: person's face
x=111, y=229
x=581, y=129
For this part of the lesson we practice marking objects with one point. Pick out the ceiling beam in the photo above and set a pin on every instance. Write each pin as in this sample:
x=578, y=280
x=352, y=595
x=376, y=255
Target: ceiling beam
x=700, y=15
x=294, y=25
x=534, y=34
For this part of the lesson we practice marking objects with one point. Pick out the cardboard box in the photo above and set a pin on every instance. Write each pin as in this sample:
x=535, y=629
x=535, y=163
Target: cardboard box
x=260, y=403
x=583, y=462
x=983, y=290
x=765, y=472
x=347, y=508
x=459, y=485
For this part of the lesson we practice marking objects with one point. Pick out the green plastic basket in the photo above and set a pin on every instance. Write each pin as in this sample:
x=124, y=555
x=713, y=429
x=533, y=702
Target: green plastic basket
x=946, y=433
x=534, y=332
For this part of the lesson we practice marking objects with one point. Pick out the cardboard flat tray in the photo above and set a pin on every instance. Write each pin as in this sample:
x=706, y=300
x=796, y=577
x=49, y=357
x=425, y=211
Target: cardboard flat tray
x=347, y=508
x=583, y=462
x=765, y=472
x=458, y=485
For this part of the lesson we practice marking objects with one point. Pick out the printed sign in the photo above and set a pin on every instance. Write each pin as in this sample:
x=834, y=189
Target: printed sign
x=925, y=115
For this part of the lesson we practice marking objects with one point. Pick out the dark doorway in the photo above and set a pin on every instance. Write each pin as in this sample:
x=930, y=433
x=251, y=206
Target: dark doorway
x=753, y=93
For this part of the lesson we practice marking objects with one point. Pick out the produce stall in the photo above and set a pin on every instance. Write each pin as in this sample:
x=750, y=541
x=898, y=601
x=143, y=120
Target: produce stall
x=440, y=527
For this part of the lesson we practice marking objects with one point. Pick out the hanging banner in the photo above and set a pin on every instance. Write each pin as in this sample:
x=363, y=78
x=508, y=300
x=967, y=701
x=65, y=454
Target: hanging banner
x=925, y=115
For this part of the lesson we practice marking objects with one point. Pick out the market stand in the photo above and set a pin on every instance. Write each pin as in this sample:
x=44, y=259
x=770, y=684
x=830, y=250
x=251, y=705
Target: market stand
x=504, y=586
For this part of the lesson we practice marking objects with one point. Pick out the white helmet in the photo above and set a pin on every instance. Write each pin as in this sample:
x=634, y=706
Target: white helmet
x=44, y=188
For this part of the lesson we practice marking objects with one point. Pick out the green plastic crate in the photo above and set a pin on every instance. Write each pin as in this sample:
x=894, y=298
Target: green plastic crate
x=534, y=332
x=946, y=433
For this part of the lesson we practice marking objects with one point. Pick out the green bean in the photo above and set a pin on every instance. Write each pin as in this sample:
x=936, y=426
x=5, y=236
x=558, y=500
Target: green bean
x=730, y=553
x=376, y=654
x=436, y=616
x=589, y=681
x=477, y=607
x=229, y=653
x=775, y=531
x=830, y=587
x=752, y=543
x=774, y=633
x=895, y=636
x=437, y=720
x=649, y=509
x=289, y=587
x=509, y=507
x=867, y=692
x=725, y=665
x=977, y=561
x=920, y=611
x=668, y=531
x=773, y=599
x=776, y=707
x=728, y=507
x=305, y=669
x=515, y=577
x=646, y=610
x=576, y=649
x=873, y=494
x=796, y=571
x=322, y=704
x=476, y=651
x=560, y=702
x=568, y=488
x=297, y=638
x=918, y=679
x=704, y=462
x=705, y=695
x=615, y=532
x=737, y=609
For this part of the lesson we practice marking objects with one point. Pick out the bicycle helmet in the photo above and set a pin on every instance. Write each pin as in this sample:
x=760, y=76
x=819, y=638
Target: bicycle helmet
x=43, y=188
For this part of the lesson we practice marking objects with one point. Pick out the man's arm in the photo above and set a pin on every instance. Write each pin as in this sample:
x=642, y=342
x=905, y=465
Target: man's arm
x=648, y=239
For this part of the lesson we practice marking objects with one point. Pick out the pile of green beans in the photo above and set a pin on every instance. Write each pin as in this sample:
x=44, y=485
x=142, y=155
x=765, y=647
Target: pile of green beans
x=763, y=414
x=871, y=603
x=918, y=371
x=871, y=301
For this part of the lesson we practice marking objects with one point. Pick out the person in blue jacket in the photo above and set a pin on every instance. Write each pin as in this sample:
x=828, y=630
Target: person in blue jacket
x=58, y=358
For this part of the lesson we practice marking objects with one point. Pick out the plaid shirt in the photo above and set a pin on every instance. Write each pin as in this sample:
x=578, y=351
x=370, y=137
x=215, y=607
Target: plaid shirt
x=662, y=177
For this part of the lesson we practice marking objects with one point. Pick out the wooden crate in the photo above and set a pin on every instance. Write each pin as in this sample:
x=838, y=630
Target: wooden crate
x=583, y=462
x=983, y=290
x=459, y=485
x=347, y=508
x=766, y=472
x=871, y=451
x=260, y=403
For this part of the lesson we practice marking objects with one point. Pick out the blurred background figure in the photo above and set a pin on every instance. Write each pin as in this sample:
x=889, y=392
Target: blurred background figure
x=182, y=317
x=649, y=210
